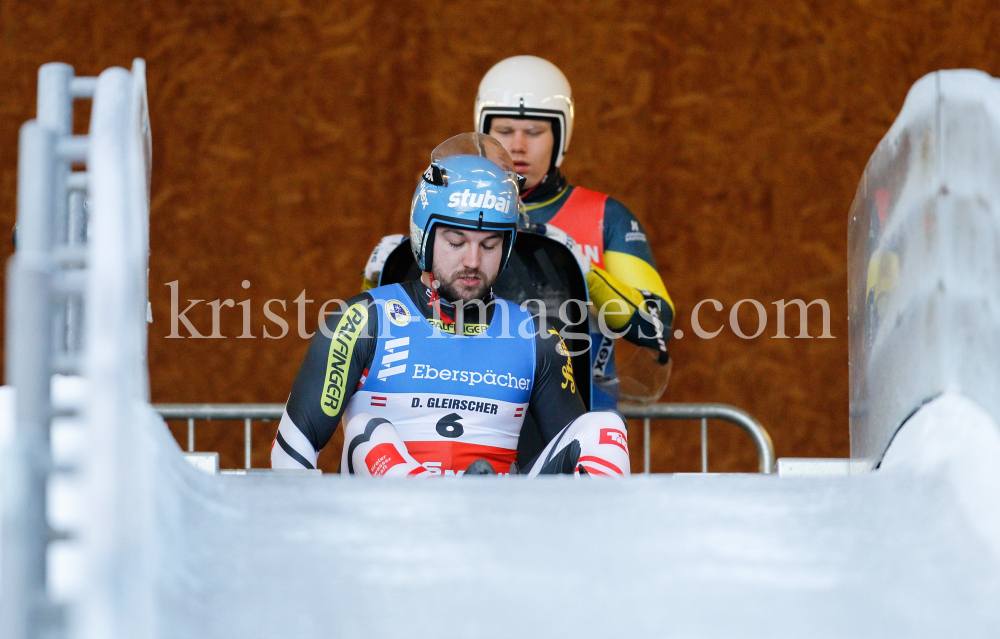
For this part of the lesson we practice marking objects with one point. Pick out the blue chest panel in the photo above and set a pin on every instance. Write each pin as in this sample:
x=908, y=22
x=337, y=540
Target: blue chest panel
x=412, y=356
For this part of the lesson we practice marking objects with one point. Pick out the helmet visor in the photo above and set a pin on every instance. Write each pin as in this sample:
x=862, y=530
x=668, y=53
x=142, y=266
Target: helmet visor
x=476, y=144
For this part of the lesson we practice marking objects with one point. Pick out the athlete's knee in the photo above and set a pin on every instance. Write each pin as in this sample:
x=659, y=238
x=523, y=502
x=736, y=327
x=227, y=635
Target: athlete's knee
x=595, y=420
x=359, y=424
x=592, y=427
x=373, y=447
x=595, y=443
x=603, y=438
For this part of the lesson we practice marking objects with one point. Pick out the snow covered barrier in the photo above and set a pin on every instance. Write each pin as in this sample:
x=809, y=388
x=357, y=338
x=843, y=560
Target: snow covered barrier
x=924, y=259
x=954, y=439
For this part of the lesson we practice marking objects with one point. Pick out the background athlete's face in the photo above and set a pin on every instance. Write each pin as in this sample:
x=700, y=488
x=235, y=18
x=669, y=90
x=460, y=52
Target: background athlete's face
x=466, y=262
x=529, y=143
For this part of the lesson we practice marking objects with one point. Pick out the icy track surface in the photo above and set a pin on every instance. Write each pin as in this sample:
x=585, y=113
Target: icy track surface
x=887, y=554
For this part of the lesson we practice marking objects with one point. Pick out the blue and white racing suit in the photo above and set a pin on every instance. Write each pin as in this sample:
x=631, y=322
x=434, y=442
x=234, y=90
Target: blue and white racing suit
x=417, y=399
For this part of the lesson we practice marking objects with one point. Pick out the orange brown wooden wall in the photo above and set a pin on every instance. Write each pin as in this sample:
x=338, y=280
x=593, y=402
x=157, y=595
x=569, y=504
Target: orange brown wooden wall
x=288, y=137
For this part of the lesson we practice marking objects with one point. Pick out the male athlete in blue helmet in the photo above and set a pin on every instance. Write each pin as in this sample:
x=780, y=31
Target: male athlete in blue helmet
x=433, y=377
x=526, y=103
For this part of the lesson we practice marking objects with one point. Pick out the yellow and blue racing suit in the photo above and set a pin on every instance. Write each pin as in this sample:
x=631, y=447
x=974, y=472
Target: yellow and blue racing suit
x=623, y=274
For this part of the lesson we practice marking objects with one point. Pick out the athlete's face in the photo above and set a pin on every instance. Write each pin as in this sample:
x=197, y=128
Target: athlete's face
x=466, y=262
x=529, y=143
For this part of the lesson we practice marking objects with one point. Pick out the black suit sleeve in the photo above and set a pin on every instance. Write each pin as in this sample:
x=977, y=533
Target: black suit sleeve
x=331, y=372
x=555, y=399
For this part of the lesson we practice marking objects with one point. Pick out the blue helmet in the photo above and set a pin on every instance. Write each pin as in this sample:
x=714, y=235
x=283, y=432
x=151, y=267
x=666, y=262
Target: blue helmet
x=471, y=184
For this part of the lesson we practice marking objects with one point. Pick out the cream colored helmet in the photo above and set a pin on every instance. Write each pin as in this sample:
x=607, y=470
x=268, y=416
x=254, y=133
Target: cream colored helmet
x=527, y=87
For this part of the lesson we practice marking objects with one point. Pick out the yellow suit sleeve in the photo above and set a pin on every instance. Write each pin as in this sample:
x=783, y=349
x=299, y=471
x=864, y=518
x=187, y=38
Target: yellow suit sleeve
x=622, y=280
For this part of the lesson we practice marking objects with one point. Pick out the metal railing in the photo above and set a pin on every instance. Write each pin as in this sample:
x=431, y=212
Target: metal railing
x=703, y=412
x=248, y=413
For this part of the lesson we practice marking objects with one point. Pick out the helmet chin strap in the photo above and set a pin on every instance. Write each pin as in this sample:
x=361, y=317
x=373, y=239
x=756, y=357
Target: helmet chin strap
x=551, y=184
x=436, y=302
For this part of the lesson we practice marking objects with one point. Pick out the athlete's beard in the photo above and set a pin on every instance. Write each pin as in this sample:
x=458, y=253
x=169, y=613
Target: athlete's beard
x=452, y=290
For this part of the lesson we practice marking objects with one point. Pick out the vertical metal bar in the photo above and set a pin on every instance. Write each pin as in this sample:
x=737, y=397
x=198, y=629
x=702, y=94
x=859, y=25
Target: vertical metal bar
x=190, y=434
x=55, y=112
x=704, y=445
x=76, y=219
x=246, y=441
x=55, y=101
x=645, y=446
x=75, y=237
x=60, y=325
x=35, y=188
x=29, y=370
x=25, y=522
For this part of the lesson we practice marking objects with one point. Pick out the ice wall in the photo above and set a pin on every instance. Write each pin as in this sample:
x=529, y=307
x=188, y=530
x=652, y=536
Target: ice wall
x=924, y=259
